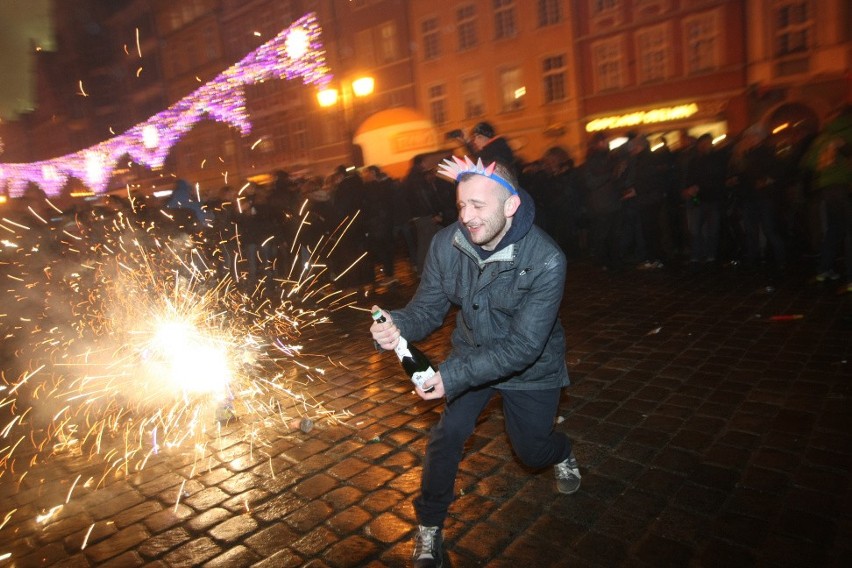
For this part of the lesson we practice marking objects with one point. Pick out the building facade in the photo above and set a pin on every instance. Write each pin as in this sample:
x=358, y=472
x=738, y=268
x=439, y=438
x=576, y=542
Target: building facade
x=663, y=68
x=508, y=62
x=543, y=72
x=799, y=63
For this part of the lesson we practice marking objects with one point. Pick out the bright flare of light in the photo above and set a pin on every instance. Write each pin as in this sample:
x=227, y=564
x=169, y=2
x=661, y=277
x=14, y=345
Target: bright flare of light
x=363, y=86
x=94, y=168
x=192, y=363
x=327, y=97
x=297, y=43
x=150, y=136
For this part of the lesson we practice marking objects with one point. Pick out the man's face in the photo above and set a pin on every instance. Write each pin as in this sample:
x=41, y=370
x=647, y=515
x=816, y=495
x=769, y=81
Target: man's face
x=484, y=210
x=479, y=141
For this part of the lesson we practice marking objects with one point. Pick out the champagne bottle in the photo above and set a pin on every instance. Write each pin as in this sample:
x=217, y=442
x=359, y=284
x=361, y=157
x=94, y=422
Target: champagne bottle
x=414, y=362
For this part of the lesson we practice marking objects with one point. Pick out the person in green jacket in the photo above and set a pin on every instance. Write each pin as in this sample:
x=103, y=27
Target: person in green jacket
x=829, y=160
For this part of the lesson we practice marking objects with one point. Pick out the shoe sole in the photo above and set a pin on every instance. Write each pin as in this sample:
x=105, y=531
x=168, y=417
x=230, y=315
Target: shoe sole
x=568, y=492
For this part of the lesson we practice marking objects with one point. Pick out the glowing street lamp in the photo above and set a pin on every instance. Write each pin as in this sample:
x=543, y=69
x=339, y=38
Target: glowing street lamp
x=363, y=86
x=327, y=97
x=357, y=88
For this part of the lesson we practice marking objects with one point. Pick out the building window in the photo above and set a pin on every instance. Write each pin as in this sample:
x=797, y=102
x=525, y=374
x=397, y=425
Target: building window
x=300, y=135
x=601, y=8
x=793, y=25
x=330, y=132
x=395, y=99
x=437, y=95
x=607, y=62
x=553, y=74
x=388, y=42
x=701, y=35
x=211, y=44
x=549, y=12
x=647, y=8
x=512, y=89
x=653, y=49
x=282, y=139
x=471, y=91
x=504, y=19
x=466, y=26
x=364, y=48
x=431, y=38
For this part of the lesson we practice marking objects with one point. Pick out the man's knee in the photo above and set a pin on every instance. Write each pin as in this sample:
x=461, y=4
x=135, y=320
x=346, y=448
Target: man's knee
x=535, y=455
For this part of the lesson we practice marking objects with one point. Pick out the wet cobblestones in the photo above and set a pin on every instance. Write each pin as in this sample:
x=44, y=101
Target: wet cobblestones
x=707, y=436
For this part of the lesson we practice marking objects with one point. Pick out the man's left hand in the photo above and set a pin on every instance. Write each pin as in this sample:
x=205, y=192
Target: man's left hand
x=435, y=381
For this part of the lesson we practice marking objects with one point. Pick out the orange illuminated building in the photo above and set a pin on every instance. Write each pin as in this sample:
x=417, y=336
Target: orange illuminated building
x=662, y=67
x=508, y=62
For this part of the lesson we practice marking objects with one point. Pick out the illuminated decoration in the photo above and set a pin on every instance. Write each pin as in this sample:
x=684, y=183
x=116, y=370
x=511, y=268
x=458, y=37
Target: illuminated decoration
x=652, y=116
x=296, y=52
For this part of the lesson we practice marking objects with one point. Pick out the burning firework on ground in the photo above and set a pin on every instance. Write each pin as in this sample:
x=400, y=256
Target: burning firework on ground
x=132, y=340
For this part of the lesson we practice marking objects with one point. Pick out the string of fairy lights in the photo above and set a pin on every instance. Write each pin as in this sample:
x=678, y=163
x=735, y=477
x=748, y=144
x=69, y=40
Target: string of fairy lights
x=295, y=53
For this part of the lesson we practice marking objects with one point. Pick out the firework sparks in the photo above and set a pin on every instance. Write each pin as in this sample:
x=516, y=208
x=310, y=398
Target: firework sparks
x=133, y=341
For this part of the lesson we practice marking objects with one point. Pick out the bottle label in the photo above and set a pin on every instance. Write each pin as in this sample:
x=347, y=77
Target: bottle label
x=421, y=377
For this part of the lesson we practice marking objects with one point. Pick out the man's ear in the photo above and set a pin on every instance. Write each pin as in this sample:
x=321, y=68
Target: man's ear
x=510, y=206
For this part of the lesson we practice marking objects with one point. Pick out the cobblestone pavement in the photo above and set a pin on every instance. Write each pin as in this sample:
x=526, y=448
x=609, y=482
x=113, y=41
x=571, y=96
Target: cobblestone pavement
x=707, y=435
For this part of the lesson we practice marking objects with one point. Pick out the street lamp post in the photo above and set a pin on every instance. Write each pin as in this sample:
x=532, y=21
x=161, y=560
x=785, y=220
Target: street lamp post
x=349, y=91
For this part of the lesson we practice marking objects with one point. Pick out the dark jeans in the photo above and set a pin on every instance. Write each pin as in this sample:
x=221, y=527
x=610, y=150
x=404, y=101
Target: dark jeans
x=703, y=222
x=761, y=213
x=605, y=238
x=529, y=416
x=651, y=217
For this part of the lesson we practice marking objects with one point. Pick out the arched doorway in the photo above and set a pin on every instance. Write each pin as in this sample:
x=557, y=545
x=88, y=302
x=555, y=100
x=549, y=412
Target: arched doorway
x=793, y=121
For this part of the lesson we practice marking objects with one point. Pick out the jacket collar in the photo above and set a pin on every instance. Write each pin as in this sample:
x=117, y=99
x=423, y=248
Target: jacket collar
x=505, y=254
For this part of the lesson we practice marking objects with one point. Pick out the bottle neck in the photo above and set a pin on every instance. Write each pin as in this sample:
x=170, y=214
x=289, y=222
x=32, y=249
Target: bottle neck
x=401, y=348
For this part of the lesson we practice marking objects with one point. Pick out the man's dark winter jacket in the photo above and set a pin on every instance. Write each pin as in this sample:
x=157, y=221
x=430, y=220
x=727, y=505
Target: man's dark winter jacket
x=508, y=334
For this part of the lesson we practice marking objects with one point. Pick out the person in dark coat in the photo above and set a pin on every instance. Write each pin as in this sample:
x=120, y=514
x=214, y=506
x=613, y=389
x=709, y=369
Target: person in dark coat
x=600, y=174
x=183, y=200
x=490, y=147
x=379, y=192
x=427, y=209
x=348, y=259
x=706, y=172
x=505, y=277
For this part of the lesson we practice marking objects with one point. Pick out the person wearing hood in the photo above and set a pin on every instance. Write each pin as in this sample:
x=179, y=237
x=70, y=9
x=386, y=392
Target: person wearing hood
x=506, y=277
x=182, y=198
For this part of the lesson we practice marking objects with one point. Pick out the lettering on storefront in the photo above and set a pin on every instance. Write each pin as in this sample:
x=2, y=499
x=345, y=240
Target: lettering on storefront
x=410, y=140
x=652, y=116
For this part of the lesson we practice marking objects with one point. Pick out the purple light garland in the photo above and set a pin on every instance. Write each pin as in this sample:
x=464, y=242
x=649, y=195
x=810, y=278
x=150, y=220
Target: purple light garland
x=296, y=52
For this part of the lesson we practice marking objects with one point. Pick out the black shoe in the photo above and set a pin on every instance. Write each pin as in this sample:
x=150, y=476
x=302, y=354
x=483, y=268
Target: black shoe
x=428, y=548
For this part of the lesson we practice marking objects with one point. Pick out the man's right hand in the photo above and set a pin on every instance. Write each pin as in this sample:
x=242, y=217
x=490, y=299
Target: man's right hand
x=386, y=334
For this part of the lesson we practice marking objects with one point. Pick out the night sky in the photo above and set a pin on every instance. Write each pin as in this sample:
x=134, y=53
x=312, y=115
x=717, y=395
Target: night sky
x=21, y=22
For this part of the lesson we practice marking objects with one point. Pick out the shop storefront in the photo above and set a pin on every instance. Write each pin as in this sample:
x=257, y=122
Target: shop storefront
x=671, y=121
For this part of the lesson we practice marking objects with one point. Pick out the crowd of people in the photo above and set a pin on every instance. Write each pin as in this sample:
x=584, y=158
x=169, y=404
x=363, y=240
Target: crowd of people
x=353, y=220
x=760, y=201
